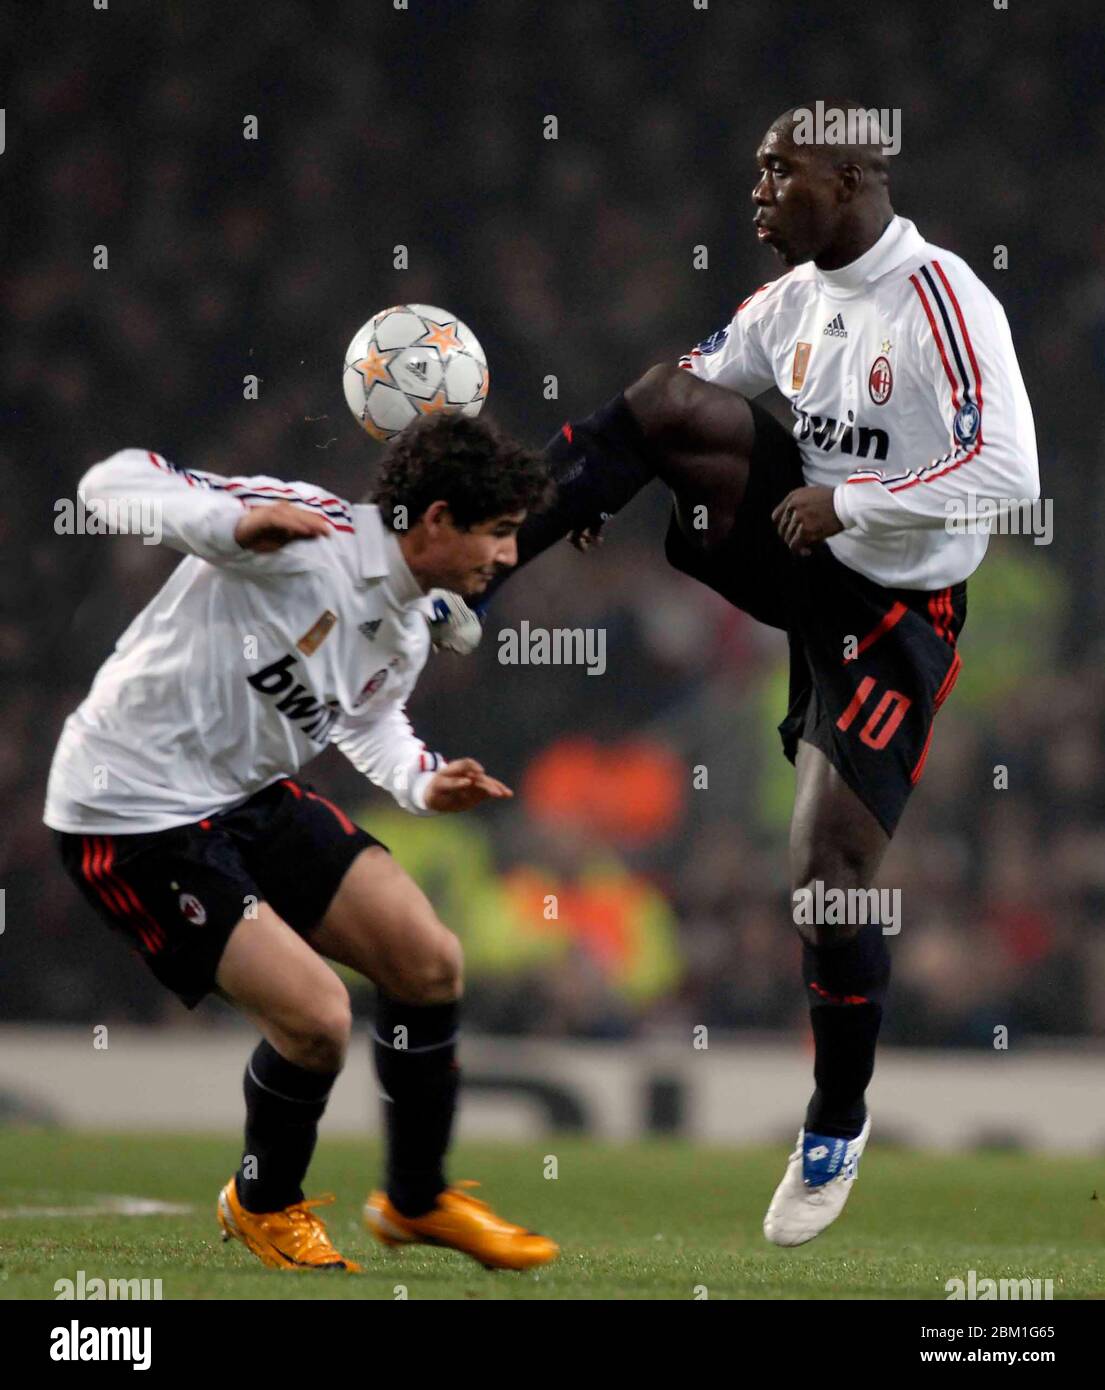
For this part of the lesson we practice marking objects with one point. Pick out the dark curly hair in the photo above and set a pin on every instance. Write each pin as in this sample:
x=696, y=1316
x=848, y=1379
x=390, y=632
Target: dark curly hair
x=470, y=464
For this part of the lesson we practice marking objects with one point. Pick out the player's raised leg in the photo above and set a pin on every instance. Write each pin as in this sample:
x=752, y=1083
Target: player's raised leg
x=835, y=842
x=702, y=438
x=302, y=1010
x=694, y=436
x=381, y=924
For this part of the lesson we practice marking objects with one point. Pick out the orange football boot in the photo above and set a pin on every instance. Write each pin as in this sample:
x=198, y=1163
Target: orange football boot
x=462, y=1223
x=293, y=1238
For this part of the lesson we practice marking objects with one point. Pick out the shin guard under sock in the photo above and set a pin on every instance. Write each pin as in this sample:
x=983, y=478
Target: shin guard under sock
x=284, y=1103
x=598, y=465
x=845, y=985
x=415, y=1049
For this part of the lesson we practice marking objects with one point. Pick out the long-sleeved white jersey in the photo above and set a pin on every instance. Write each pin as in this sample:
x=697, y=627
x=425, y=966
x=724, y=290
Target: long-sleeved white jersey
x=907, y=397
x=244, y=666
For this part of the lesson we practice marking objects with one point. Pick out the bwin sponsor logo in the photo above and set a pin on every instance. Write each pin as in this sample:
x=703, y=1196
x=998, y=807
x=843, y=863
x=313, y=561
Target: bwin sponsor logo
x=846, y=435
x=77, y=1343
x=298, y=704
x=558, y=646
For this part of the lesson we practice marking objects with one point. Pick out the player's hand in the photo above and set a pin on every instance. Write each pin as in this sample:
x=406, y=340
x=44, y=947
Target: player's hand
x=806, y=517
x=274, y=525
x=462, y=784
x=454, y=626
x=587, y=538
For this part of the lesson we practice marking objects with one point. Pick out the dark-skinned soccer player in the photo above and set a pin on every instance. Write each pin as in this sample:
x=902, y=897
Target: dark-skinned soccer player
x=854, y=532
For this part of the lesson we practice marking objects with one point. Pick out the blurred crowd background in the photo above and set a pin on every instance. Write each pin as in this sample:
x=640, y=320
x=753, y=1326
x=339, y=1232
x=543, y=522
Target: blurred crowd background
x=571, y=258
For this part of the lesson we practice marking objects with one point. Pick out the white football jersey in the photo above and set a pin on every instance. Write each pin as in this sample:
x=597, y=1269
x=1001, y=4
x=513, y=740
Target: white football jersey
x=244, y=666
x=907, y=397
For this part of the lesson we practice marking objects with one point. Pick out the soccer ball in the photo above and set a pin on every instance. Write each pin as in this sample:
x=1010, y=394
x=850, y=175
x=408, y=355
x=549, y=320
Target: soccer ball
x=412, y=360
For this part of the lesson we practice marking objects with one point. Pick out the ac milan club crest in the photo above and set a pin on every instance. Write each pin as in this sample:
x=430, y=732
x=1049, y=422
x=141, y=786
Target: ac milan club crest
x=193, y=909
x=372, y=685
x=880, y=383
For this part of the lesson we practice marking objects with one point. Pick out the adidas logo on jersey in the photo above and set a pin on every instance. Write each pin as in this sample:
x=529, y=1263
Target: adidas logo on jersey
x=835, y=328
x=370, y=629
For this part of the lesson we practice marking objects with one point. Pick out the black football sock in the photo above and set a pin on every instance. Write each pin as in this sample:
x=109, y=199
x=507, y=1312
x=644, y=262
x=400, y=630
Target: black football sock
x=846, y=985
x=598, y=465
x=284, y=1103
x=415, y=1047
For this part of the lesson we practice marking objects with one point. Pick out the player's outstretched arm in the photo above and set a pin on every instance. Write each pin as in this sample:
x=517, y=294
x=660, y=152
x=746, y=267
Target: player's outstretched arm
x=383, y=746
x=386, y=749
x=136, y=491
x=462, y=784
x=266, y=529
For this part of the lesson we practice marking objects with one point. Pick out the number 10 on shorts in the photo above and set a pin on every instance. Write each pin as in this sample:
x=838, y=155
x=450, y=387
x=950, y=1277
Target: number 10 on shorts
x=890, y=710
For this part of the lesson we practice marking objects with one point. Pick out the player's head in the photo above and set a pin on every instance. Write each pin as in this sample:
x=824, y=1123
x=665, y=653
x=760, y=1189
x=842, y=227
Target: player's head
x=455, y=490
x=818, y=197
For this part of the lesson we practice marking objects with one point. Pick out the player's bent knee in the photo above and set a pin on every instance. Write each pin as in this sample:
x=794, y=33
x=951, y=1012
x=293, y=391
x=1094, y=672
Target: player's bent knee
x=661, y=398
x=317, y=1037
x=835, y=865
x=431, y=974
x=807, y=899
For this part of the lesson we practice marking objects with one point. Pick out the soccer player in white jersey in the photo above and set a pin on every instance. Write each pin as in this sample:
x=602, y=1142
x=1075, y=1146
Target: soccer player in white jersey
x=855, y=533
x=297, y=621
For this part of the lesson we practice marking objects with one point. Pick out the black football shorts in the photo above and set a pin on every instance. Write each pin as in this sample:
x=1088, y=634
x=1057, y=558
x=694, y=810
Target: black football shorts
x=869, y=666
x=176, y=895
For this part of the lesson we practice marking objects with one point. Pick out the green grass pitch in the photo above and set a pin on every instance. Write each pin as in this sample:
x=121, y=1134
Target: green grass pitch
x=657, y=1220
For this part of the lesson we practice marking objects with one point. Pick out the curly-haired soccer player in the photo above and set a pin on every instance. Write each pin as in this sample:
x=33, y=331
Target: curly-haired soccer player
x=297, y=621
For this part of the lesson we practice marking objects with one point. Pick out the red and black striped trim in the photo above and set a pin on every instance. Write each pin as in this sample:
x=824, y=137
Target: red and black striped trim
x=942, y=614
x=889, y=620
x=953, y=342
x=120, y=899
x=342, y=819
x=336, y=512
x=945, y=689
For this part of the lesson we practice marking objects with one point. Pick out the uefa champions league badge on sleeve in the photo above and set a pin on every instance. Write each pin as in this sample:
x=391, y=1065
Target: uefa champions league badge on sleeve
x=714, y=343
x=968, y=419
